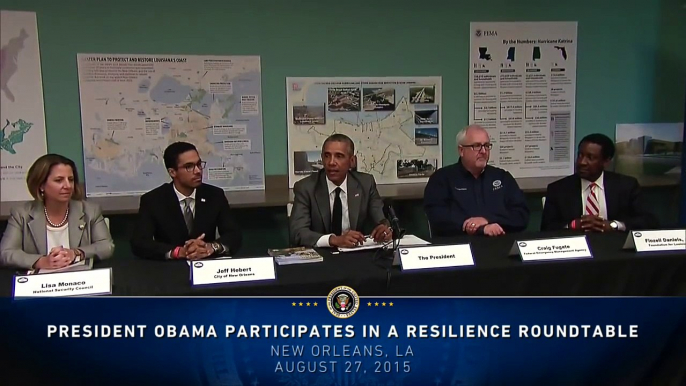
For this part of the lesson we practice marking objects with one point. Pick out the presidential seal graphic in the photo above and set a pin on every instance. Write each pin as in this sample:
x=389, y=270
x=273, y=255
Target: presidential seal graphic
x=343, y=302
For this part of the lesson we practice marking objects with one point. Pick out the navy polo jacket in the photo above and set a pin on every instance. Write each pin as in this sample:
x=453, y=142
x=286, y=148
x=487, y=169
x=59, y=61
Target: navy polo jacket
x=453, y=195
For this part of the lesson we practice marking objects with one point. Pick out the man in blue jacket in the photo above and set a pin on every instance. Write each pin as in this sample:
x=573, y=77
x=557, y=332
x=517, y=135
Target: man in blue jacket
x=470, y=196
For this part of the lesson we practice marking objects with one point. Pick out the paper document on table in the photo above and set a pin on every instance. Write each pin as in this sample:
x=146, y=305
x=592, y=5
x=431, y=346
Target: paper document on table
x=369, y=243
x=82, y=265
x=410, y=240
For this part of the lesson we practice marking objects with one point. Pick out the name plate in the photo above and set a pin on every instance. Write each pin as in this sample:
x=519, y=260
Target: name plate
x=558, y=248
x=654, y=241
x=442, y=256
x=232, y=271
x=91, y=282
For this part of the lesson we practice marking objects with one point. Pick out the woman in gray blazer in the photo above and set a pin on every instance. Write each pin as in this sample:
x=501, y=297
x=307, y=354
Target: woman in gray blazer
x=58, y=227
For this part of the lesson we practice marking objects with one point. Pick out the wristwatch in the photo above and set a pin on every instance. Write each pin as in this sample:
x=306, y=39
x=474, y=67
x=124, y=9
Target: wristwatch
x=216, y=248
x=614, y=225
x=78, y=255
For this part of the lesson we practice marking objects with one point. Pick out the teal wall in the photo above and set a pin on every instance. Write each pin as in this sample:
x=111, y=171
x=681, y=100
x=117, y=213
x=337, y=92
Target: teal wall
x=631, y=65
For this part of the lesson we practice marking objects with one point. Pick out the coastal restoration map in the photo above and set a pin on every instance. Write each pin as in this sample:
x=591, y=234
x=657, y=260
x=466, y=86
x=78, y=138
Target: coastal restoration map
x=134, y=106
x=395, y=123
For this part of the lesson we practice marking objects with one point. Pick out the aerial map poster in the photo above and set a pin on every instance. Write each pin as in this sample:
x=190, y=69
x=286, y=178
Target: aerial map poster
x=22, y=118
x=522, y=89
x=134, y=106
x=394, y=122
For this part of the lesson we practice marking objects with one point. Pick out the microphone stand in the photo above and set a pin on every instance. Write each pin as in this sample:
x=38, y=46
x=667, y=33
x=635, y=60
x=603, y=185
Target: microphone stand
x=397, y=234
x=385, y=254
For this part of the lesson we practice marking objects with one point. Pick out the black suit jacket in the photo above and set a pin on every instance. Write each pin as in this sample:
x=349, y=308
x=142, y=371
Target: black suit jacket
x=161, y=228
x=622, y=199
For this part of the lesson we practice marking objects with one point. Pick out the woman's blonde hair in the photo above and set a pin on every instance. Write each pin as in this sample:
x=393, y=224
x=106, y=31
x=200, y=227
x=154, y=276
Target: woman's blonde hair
x=40, y=170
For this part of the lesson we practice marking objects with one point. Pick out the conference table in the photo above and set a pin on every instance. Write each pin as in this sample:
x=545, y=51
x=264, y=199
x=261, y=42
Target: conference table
x=611, y=272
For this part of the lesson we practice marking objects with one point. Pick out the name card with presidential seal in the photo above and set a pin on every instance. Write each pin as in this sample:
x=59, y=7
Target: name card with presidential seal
x=221, y=271
x=556, y=248
x=656, y=241
x=81, y=283
x=440, y=256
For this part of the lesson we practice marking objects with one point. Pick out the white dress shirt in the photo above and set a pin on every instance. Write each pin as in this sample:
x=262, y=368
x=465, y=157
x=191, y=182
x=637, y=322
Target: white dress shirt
x=324, y=240
x=600, y=195
x=181, y=197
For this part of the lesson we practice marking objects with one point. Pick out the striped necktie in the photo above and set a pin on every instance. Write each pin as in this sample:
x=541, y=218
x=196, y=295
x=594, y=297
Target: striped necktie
x=592, y=206
x=188, y=213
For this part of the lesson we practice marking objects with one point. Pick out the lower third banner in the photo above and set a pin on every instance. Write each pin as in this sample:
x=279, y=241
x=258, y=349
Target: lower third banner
x=343, y=339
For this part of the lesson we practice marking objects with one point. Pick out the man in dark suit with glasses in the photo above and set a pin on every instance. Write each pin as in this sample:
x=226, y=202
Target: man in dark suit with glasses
x=180, y=219
x=472, y=197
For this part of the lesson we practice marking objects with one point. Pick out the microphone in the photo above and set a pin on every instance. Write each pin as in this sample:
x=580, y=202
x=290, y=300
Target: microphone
x=398, y=232
x=391, y=213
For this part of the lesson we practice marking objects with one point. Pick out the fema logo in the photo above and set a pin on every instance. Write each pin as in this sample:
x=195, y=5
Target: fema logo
x=343, y=302
x=404, y=251
x=478, y=33
x=638, y=234
x=522, y=244
x=198, y=265
x=497, y=184
x=22, y=280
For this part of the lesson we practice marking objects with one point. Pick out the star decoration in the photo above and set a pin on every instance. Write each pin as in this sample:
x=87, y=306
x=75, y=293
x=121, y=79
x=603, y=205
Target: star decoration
x=293, y=304
x=376, y=304
x=301, y=304
x=390, y=304
x=383, y=304
x=369, y=304
x=315, y=304
x=308, y=304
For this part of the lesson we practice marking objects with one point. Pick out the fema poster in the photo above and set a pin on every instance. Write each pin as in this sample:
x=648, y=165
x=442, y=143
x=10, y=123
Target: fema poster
x=522, y=90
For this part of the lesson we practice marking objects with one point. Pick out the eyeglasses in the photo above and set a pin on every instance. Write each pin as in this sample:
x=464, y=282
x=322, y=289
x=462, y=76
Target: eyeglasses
x=190, y=166
x=479, y=146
